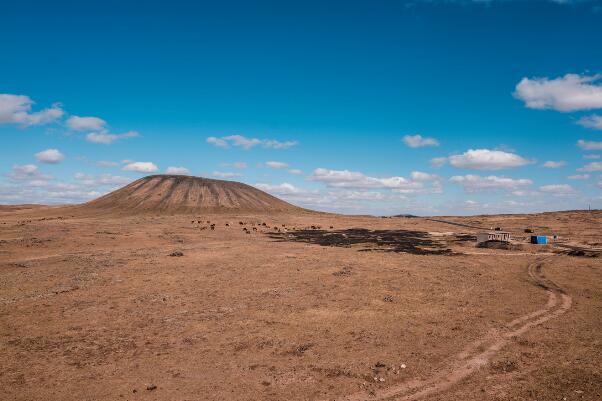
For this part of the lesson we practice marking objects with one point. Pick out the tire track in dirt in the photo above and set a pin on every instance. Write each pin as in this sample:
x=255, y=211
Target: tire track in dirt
x=480, y=352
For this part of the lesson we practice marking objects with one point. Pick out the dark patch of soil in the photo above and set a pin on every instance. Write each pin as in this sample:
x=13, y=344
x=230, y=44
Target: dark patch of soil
x=408, y=241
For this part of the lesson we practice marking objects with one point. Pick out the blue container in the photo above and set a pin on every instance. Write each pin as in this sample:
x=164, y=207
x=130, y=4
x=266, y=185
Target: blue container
x=539, y=239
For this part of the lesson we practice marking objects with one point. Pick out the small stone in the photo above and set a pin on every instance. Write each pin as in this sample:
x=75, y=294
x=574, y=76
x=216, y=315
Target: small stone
x=176, y=253
x=382, y=379
x=151, y=387
x=403, y=366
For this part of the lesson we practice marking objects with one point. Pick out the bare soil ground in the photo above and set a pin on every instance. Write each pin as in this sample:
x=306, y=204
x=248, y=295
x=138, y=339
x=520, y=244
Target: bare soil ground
x=356, y=308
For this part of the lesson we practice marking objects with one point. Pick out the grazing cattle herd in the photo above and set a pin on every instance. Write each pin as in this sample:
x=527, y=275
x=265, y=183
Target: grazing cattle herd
x=259, y=227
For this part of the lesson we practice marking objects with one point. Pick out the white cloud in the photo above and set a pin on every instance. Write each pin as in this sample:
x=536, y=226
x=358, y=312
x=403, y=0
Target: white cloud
x=558, y=189
x=104, y=179
x=241, y=141
x=141, y=167
x=295, y=171
x=418, y=141
x=28, y=185
x=16, y=109
x=485, y=159
x=420, y=176
x=361, y=195
x=594, y=166
x=569, y=93
x=357, y=180
x=593, y=122
x=554, y=164
x=248, y=143
x=438, y=161
x=106, y=138
x=589, y=145
x=238, y=165
x=50, y=156
x=578, y=177
x=276, y=165
x=224, y=174
x=476, y=183
x=217, y=142
x=351, y=179
x=591, y=157
x=77, y=123
x=273, y=144
x=177, y=171
x=107, y=163
x=281, y=189
x=24, y=171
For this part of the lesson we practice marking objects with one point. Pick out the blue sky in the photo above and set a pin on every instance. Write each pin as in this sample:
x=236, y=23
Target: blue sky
x=428, y=107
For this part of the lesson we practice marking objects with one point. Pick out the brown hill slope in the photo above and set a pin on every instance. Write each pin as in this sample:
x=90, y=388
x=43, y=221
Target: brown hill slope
x=182, y=194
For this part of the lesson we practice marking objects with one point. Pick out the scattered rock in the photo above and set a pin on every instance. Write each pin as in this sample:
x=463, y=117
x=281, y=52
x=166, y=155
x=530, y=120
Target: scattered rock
x=388, y=298
x=151, y=387
x=345, y=271
x=177, y=254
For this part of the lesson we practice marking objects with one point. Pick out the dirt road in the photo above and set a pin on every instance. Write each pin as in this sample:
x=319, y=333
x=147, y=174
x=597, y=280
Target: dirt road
x=478, y=353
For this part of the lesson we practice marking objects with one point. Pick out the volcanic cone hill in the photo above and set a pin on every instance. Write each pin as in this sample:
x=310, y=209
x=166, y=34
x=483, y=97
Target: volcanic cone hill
x=185, y=194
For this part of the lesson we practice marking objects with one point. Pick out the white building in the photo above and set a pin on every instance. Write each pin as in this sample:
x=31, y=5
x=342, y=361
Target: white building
x=503, y=236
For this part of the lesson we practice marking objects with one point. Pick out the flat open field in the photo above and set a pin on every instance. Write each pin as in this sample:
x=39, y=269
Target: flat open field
x=95, y=308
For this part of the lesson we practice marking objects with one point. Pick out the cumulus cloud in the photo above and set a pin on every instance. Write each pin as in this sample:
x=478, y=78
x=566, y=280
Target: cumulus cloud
x=593, y=122
x=571, y=92
x=554, y=164
x=221, y=143
x=276, y=165
x=141, y=167
x=106, y=138
x=345, y=199
x=418, y=141
x=238, y=165
x=594, y=166
x=476, y=183
x=177, y=171
x=77, y=123
x=485, y=159
x=589, y=145
x=26, y=172
x=107, y=163
x=16, y=109
x=351, y=179
x=357, y=180
x=438, y=161
x=591, y=156
x=558, y=189
x=225, y=174
x=27, y=184
x=578, y=177
x=420, y=176
x=104, y=179
x=51, y=156
x=282, y=189
x=248, y=143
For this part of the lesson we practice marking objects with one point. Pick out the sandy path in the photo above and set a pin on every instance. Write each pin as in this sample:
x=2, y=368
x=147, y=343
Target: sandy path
x=480, y=352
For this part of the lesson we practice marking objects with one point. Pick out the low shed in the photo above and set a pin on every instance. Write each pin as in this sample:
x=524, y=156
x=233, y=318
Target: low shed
x=539, y=239
x=503, y=236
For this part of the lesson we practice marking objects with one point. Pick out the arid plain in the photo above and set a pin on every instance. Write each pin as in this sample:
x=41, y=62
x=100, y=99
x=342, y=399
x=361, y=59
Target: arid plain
x=101, y=303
